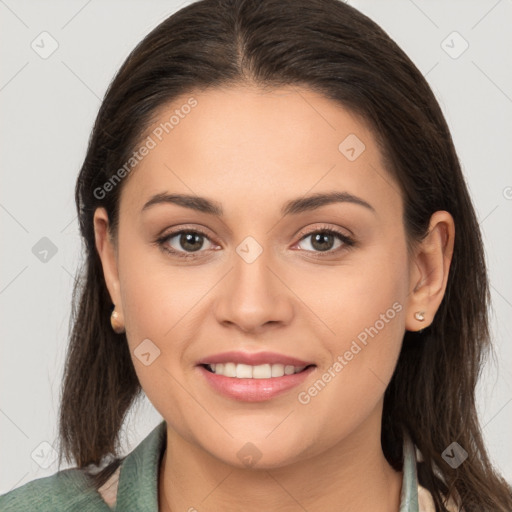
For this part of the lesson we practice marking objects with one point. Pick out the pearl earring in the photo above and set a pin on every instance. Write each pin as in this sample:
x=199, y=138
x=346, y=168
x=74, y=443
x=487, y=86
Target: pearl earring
x=116, y=323
x=420, y=316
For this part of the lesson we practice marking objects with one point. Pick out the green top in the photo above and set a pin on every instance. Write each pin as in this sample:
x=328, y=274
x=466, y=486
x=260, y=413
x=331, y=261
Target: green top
x=70, y=490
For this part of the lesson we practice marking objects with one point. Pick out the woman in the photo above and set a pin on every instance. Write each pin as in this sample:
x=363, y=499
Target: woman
x=282, y=254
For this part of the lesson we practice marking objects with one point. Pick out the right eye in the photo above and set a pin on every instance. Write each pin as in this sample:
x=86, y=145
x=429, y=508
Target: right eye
x=183, y=243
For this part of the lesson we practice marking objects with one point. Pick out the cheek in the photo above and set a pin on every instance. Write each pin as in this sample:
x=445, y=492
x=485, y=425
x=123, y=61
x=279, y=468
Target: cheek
x=364, y=294
x=349, y=387
x=162, y=303
x=157, y=295
x=364, y=307
x=158, y=304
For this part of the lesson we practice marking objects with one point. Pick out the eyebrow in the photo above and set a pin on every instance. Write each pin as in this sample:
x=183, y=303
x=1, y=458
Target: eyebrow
x=292, y=207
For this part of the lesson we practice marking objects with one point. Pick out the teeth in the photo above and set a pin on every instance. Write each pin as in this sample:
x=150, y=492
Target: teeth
x=246, y=371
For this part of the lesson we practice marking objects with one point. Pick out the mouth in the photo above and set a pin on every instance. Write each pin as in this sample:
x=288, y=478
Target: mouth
x=246, y=371
x=231, y=376
x=253, y=376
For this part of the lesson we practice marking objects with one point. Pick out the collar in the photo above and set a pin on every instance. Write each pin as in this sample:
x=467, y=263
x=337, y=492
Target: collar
x=409, y=494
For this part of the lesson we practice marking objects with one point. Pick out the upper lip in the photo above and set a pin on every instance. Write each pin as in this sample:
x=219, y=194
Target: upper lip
x=253, y=359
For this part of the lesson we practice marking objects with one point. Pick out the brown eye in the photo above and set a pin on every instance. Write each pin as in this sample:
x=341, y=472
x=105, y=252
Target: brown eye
x=183, y=243
x=324, y=239
x=190, y=241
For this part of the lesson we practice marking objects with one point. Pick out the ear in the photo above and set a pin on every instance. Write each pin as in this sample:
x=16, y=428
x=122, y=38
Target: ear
x=429, y=271
x=108, y=255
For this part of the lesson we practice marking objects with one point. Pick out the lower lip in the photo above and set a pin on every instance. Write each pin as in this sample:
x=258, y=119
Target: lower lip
x=254, y=390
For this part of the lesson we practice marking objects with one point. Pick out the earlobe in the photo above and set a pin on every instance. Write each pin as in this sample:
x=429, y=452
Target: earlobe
x=107, y=253
x=430, y=269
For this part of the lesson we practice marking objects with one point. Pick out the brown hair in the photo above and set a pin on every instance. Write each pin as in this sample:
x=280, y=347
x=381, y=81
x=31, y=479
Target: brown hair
x=331, y=48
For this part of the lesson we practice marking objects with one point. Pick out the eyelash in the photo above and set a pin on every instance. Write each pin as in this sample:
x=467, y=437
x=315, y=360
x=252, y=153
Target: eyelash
x=347, y=241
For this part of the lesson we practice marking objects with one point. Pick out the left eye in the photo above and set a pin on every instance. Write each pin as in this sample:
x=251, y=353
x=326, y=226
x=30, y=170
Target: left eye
x=324, y=239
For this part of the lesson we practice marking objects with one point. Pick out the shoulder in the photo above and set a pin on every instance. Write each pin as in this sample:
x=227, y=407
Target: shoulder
x=68, y=490
x=133, y=486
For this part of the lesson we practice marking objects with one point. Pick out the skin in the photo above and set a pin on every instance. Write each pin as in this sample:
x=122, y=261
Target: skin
x=251, y=151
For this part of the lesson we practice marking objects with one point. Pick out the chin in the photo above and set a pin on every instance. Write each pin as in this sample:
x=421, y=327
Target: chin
x=260, y=454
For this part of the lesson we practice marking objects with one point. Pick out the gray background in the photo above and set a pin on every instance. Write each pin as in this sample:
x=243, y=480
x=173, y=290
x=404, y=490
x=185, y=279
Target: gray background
x=48, y=108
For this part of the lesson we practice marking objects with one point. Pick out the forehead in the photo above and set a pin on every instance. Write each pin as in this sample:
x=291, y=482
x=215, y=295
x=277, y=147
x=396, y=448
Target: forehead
x=229, y=143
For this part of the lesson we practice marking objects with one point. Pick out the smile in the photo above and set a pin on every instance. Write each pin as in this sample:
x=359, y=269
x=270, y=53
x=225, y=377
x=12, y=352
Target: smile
x=246, y=371
x=253, y=383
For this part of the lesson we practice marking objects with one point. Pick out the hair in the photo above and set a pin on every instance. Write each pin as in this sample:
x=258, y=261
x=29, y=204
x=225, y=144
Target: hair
x=333, y=49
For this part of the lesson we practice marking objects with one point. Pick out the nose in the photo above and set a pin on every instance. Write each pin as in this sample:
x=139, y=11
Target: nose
x=254, y=296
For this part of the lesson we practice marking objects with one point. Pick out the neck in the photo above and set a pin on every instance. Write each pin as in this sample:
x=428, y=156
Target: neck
x=348, y=477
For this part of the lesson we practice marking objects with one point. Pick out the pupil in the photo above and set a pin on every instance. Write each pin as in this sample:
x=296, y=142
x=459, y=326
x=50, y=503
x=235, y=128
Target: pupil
x=187, y=241
x=318, y=238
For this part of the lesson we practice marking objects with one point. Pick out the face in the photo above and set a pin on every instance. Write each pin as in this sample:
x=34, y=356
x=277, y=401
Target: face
x=276, y=279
